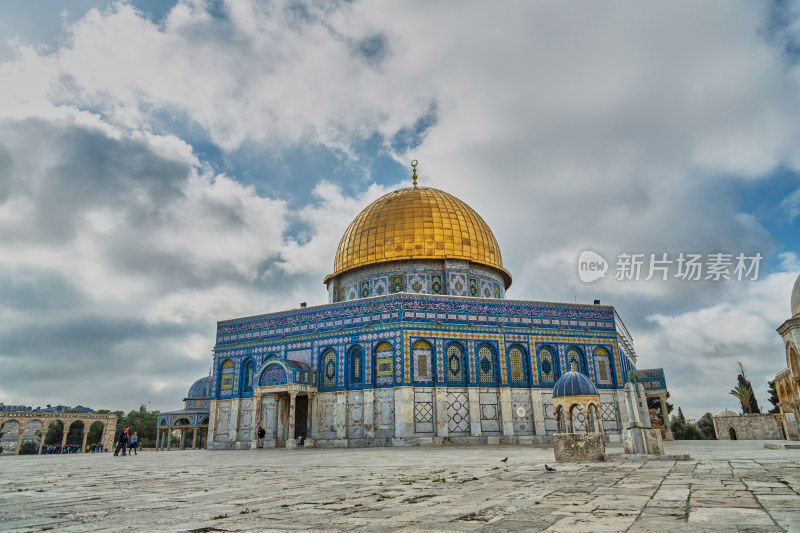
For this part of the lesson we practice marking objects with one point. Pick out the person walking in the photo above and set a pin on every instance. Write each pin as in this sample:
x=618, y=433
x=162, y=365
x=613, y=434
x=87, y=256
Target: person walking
x=261, y=434
x=122, y=442
x=134, y=445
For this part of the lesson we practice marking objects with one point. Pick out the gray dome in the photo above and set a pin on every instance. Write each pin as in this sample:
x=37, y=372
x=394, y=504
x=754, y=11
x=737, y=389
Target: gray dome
x=796, y=297
x=201, y=389
x=574, y=384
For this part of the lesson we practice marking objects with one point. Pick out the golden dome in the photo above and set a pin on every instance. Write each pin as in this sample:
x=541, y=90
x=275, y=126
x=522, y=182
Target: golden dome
x=417, y=223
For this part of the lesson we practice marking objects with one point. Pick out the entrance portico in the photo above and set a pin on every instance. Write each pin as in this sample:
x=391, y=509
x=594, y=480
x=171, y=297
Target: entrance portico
x=284, y=404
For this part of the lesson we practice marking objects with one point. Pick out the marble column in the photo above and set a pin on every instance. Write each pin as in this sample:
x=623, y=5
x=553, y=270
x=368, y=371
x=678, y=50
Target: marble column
x=474, y=411
x=194, y=438
x=506, y=414
x=440, y=396
x=63, y=436
x=41, y=442
x=369, y=414
x=158, y=439
x=665, y=418
x=290, y=443
x=279, y=427
x=257, y=420
x=21, y=430
x=85, y=436
x=169, y=438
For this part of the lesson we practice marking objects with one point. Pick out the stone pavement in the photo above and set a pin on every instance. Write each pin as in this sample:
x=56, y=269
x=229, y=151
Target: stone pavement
x=727, y=486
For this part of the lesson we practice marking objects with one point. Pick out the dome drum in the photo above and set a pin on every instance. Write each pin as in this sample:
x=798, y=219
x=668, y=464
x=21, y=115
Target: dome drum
x=417, y=226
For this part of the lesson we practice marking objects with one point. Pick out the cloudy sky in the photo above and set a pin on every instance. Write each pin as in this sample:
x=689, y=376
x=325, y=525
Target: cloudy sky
x=164, y=165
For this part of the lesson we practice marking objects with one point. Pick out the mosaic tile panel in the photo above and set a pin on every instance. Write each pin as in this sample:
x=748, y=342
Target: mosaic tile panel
x=417, y=283
x=397, y=283
x=436, y=284
x=365, y=292
x=473, y=287
x=457, y=284
x=380, y=286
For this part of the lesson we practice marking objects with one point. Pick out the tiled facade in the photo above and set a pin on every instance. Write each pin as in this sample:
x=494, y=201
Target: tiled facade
x=412, y=366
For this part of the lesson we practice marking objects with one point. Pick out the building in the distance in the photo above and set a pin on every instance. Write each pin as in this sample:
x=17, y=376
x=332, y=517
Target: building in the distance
x=417, y=345
x=787, y=381
x=192, y=418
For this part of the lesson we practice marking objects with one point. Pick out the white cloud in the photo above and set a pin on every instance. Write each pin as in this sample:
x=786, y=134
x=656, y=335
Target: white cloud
x=620, y=128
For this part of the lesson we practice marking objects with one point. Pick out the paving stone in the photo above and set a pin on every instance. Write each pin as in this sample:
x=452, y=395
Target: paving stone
x=736, y=486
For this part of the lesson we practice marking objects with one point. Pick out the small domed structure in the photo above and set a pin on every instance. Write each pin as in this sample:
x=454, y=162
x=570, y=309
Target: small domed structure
x=200, y=389
x=728, y=412
x=575, y=399
x=796, y=298
x=574, y=383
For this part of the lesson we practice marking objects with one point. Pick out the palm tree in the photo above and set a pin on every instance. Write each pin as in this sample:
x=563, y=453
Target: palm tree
x=743, y=394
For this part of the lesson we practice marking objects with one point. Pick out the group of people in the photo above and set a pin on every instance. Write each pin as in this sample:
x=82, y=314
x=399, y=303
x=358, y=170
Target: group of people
x=65, y=448
x=127, y=441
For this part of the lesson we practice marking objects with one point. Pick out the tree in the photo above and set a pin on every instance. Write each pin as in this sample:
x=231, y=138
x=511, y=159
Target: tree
x=743, y=394
x=683, y=430
x=744, y=382
x=27, y=448
x=773, y=397
x=706, y=425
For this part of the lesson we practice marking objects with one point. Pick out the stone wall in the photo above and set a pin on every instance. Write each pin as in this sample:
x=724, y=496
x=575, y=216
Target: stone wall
x=749, y=427
x=578, y=447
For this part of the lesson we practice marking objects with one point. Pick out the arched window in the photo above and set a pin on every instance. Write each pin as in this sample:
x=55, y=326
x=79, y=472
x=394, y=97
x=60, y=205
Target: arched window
x=226, y=378
x=384, y=363
x=575, y=360
x=356, y=366
x=516, y=364
x=455, y=363
x=247, y=376
x=486, y=373
x=273, y=374
x=328, y=368
x=422, y=352
x=602, y=363
x=547, y=367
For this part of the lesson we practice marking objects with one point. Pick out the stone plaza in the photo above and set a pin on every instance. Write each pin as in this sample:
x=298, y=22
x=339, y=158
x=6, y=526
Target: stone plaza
x=726, y=486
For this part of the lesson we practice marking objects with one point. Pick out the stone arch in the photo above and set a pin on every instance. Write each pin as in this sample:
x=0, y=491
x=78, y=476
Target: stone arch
x=792, y=361
x=75, y=432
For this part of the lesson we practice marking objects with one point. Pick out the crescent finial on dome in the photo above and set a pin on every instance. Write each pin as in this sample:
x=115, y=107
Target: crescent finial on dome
x=414, y=166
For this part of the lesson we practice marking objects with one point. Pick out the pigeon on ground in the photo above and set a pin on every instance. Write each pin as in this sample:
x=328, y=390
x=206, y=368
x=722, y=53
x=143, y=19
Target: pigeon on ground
x=504, y=460
x=549, y=469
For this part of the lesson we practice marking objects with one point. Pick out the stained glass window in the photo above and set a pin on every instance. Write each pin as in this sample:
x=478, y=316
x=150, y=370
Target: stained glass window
x=516, y=364
x=328, y=367
x=384, y=359
x=574, y=360
x=455, y=363
x=546, y=365
x=485, y=364
x=602, y=361
x=356, y=366
x=247, y=376
x=226, y=377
